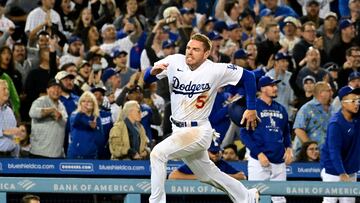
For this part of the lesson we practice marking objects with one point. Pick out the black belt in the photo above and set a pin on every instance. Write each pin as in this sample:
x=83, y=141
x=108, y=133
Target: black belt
x=182, y=124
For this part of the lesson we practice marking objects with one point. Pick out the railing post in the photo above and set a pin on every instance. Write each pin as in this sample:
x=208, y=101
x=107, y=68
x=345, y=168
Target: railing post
x=2, y=196
x=132, y=198
x=265, y=199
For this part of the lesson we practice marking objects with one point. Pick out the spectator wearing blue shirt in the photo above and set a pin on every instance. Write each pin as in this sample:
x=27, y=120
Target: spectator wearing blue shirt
x=185, y=173
x=69, y=99
x=86, y=127
x=340, y=154
x=106, y=122
x=312, y=119
x=280, y=12
x=269, y=144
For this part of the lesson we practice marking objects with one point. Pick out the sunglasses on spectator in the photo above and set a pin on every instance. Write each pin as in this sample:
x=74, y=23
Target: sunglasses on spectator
x=356, y=101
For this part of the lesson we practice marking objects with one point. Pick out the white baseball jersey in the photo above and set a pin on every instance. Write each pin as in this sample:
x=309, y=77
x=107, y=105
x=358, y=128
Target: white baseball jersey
x=193, y=92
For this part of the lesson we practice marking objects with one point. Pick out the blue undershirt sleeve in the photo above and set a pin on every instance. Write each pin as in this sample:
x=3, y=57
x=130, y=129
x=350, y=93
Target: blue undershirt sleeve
x=148, y=78
x=249, y=83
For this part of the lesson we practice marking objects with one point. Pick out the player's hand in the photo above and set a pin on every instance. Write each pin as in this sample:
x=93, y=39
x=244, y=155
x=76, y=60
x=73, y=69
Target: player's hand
x=158, y=68
x=251, y=119
x=344, y=177
x=264, y=161
x=288, y=156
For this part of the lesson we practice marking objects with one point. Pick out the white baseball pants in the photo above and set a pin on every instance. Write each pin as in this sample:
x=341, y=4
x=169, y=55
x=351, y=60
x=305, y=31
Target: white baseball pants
x=274, y=172
x=191, y=144
x=331, y=178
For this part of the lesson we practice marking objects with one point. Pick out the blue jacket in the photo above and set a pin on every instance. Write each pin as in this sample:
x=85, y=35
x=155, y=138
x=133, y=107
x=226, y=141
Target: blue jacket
x=146, y=117
x=84, y=139
x=107, y=124
x=341, y=150
x=272, y=135
x=219, y=116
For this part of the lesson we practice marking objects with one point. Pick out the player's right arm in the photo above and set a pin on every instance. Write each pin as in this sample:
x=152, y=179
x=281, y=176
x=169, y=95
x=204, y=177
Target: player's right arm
x=158, y=71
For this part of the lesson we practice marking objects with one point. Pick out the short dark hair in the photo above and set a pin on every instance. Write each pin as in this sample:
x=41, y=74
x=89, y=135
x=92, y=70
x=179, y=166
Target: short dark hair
x=269, y=26
x=231, y=146
x=308, y=23
x=29, y=197
x=351, y=49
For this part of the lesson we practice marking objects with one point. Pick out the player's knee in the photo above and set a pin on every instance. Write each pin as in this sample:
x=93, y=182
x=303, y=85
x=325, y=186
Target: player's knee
x=158, y=154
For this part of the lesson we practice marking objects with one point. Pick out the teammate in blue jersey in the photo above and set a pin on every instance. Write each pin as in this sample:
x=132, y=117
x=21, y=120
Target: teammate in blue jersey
x=269, y=143
x=193, y=81
x=340, y=158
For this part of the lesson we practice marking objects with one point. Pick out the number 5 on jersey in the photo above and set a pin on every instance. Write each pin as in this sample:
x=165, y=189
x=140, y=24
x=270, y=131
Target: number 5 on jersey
x=200, y=101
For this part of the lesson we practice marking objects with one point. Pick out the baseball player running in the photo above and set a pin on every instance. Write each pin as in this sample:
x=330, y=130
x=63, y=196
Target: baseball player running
x=193, y=81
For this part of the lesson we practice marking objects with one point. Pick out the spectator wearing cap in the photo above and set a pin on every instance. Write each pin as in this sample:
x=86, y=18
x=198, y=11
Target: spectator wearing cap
x=48, y=120
x=9, y=130
x=333, y=70
x=68, y=98
x=247, y=22
x=40, y=15
x=106, y=118
x=128, y=138
x=308, y=85
x=83, y=74
x=86, y=127
x=271, y=45
x=240, y=58
x=208, y=26
x=312, y=118
x=235, y=33
x=347, y=40
x=353, y=82
x=192, y=4
x=329, y=32
x=290, y=38
x=228, y=11
x=183, y=172
x=188, y=15
x=222, y=28
x=312, y=12
x=112, y=82
x=108, y=34
x=270, y=143
x=309, y=39
x=285, y=96
x=215, y=54
x=352, y=64
x=340, y=159
x=75, y=52
x=312, y=67
x=120, y=60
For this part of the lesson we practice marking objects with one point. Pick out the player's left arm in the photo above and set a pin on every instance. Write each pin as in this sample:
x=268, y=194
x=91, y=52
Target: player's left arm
x=249, y=83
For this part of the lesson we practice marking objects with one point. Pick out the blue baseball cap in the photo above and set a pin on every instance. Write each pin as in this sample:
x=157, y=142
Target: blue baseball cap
x=98, y=89
x=281, y=55
x=265, y=12
x=214, y=149
x=348, y=90
x=73, y=39
x=107, y=74
x=354, y=75
x=214, y=35
x=233, y=26
x=345, y=23
x=117, y=53
x=210, y=19
x=240, y=54
x=186, y=11
x=168, y=43
x=219, y=26
x=267, y=80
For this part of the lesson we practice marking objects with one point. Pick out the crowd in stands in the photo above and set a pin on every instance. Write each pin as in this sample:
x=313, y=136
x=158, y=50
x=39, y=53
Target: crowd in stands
x=71, y=71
